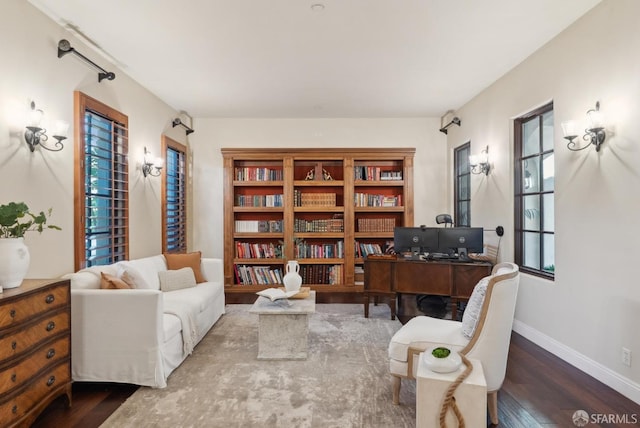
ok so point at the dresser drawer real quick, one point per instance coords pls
(48, 355)
(18, 406)
(14, 312)
(21, 341)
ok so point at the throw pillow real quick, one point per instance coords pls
(111, 282)
(134, 278)
(177, 279)
(474, 307)
(192, 260)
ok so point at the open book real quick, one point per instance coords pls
(276, 293)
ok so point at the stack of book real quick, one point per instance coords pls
(301, 199)
(257, 275)
(376, 224)
(375, 173)
(246, 250)
(259, 200)
(319, 225)
(331, 250)
(258, 174)
(259, 226)
(371, 200)
(321, 274)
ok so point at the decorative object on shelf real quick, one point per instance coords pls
(36, 135)
(594, 133)
(15, 220)
(178, 122)
(480, 163)
(64, 47)
(454, 121)
(292, 279)
(441, 359)
(318, 173)
(149, 166)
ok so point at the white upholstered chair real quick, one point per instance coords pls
(486, 338)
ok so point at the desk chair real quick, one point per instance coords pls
(484, 334)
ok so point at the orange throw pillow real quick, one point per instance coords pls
(112, 282)
(192, 260)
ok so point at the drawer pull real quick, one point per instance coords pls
(12, 313)
(51, 353)
(49, 299)
(51, 380)
(14, 345)
(51, 325)
(14, 377)
(14, 409)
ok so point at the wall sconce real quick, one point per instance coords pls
(454, 121)
(594, 134)
(150, 166)
(35, 135)
(480, 163)
(178, 122)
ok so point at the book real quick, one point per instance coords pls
(274, 294)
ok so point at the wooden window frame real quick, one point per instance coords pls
(82, 103)
(519, 193)
(168, 143)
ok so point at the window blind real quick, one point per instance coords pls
(175, 201)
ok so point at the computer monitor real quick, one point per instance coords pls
(461, 240)
(415, 240)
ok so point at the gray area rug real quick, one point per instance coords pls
(345, 382)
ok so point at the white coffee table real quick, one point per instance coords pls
(283, 327)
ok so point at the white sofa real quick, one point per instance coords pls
(139, 336)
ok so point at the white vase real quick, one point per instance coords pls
(448, 364)
(14, 262)
(292, 279)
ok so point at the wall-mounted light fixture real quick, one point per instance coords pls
(151, 166)
(480, 163)
(64, 47)
(594, 133)
(36, 135)
(454, 121)
(178, 122)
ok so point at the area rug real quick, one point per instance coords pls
(345, 382)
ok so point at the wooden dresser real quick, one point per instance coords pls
(35, 349)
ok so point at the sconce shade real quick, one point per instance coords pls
(35, 116)
(60, 129)
(480, 163)
(570, 128)
(35, 135)
(594, 134)
(150, 165)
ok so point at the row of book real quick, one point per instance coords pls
(258, 174)
(363, 249)
(254, 226)
(319, 225)
(247, 250)
(257, 275)
(301, 199)
(259, 200)
(371, 200)
(376, 224)
(375, 173)
(321, 274)
(332, 250)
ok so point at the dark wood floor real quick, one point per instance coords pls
(540, 390)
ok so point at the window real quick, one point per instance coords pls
(101, 216)
(462, 194)
(534, 192)
(174, 197)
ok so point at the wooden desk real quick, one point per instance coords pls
(388, 277)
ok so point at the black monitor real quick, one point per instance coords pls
(461, 240)
(415, 240)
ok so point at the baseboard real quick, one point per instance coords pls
(623, 385)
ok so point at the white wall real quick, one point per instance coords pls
(213, 134)
(592, 309)
(31, 70)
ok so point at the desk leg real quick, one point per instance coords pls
(392, 306)
(366, 305)
(454, 309)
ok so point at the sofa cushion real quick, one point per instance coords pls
(89, 278)
(147, 268)
(134, 278)
(177, 279)
(112, 282)
(474, 307)
(200, 296)
(192, 260)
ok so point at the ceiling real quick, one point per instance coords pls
(282, 58)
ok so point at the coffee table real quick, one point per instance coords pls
(283, 327)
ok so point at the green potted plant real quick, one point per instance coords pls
(441, 359)
(15, 221)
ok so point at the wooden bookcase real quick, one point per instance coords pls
(325, 208)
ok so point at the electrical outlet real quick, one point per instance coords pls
(626, 357)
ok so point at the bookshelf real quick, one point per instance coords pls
(325, 208)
